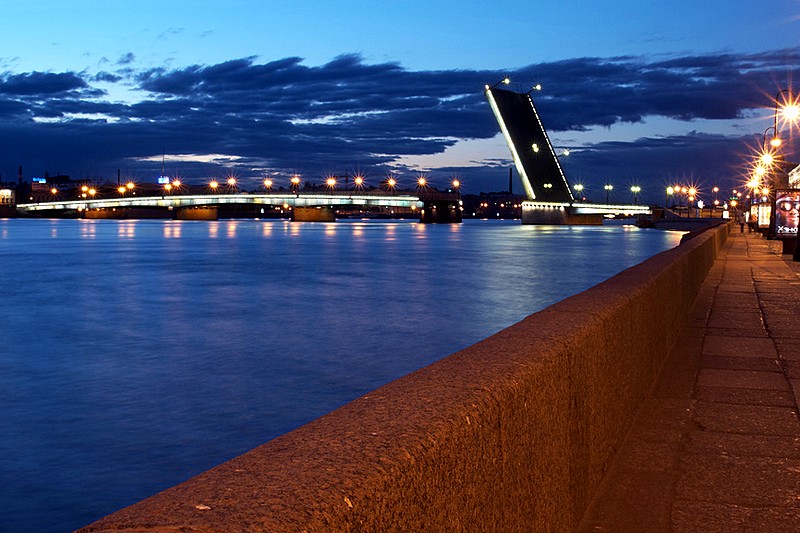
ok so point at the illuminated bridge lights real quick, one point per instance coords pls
(289, 200)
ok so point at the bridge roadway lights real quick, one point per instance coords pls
(440, 212)
(558, 216)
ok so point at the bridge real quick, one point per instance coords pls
(550, 199)
(433, 206)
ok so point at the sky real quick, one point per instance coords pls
(644, 93)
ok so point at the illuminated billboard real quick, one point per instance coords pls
(787, 212)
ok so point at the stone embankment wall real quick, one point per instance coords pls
(512, 433)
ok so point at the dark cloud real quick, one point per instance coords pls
(126, 59)
(41, 83)
(284, 116)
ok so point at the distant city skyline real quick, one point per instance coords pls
(639, 94)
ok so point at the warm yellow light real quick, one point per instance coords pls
(456, 184)
(734, 202)
(267, 183)
(130, 185)
(330, 182)
(54, 191)
(791, 112)
(176, 183)
(231, 181)
(692, 191)
(535, 148)
(421, 181)
(767, 159)
(92, 192)
(121, 189)
(168, 186)
(391, 182)
(670, 190)
(295, 180)
(213, 184)
(715, 189)
(759, 171)
(775, 142)
(84, 188)
(765, 191)
(636, 189)
(358, 181)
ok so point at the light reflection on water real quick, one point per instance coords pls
(136, 354)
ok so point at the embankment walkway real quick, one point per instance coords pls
(716, 446)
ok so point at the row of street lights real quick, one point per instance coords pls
(635, 190)
(231, 185)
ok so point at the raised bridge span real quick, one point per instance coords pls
(550, 198)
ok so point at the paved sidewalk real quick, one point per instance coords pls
(716, 447)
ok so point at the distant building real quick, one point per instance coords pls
(794, 177)
(7, 197)
(492, 205)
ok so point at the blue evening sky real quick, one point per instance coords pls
(125, 59)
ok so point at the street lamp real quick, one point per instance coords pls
(670, 192)
(608, 187)
(537, 87)
(504, 81)
(636, 190)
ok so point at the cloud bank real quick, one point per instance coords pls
(281, 116)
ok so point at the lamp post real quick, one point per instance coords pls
(670, 192)
(504, 81)
(636, 190)
(608, 187)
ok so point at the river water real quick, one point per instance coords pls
(136, 354)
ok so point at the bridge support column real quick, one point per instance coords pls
(313, 214)
(440, 212)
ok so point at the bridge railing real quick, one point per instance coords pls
(299, 199)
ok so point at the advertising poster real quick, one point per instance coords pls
(787, 213)
(764, 214)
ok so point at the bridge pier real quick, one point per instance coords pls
(440, 212)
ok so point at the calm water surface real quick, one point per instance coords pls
(136, 354)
